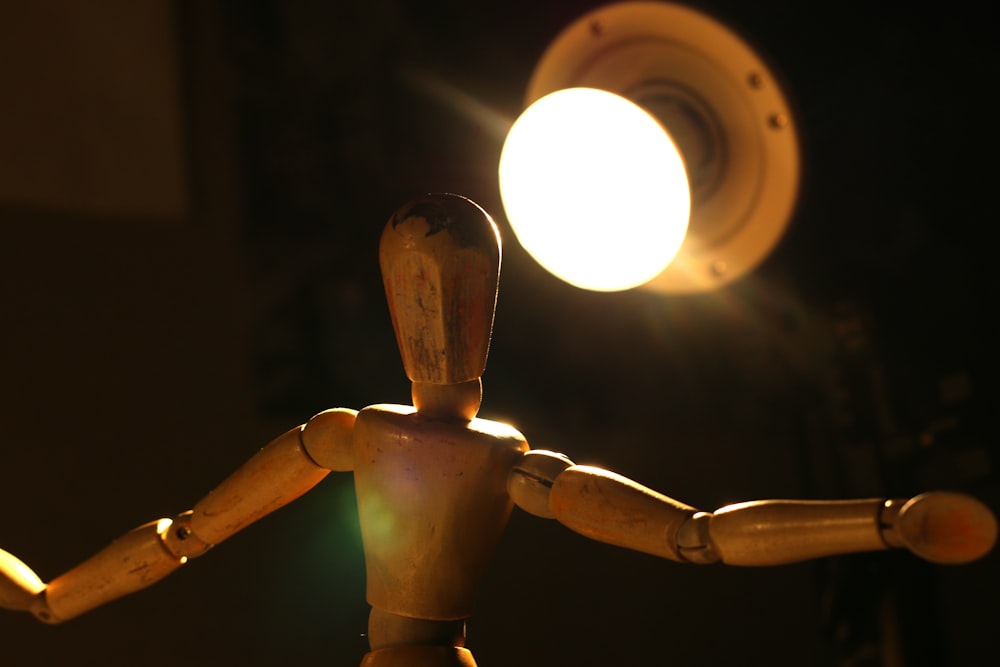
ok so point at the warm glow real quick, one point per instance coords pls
(594, 189)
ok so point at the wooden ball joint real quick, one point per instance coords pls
(436, 485)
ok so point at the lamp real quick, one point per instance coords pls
(717, 105)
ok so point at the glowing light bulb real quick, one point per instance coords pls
(594, 189)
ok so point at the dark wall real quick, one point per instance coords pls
(147, 353)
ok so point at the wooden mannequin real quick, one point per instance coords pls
(435, 485)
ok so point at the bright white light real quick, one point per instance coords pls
(594, 189)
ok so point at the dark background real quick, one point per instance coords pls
(152, 342)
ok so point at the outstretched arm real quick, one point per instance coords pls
(941, 527)
(279, 473)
